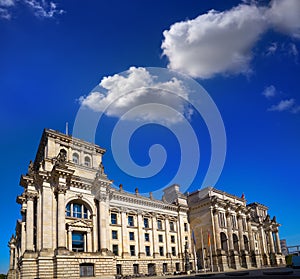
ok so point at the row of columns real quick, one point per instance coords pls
(249, 235)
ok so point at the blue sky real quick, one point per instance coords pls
(244, 53)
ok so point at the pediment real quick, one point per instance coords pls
(80, 224)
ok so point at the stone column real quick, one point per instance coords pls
(229, 231)
(23, 233)
(47, 225)
(29, 222)
(61, 227)
(140, 236)
(167, 238)
(125, 241)
(262, 239)
(103, 227)
(155, 237)
(12, 252)
(217, 229)
(271, 241)
(250, 235)
(278, 247)
(95, 233)
(89, 241)
(70, 239)
(241, 238)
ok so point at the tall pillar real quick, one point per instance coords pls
(240, 231)
(250, 235)
(278, 246)
(167, 238)
(140, 235)
(70, 239)
(217, 230)
(229, 230)
(89, 240)
(262, 239)
(125, 241)
(61, 227)
(29, 222)
(271, 241)
(155, 237)
(103, 218)
(47, 225)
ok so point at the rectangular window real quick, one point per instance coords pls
(113, 218)
(86, 270)
(172, 238)
(159, 224)
(77, 210)
(146, 223)
(177, 266)
(173, 251)
(147, 250)
(77, 242)
(185, 227)
(161, 250)
(147, 238)
(115, 249)
(131, 235)
(135, 269)
(160, 238)
(132, 250)
(165, 267)
(222, 222)
(114, 234)
(119, 269)
(130, 221)
(68, 210)
(172, 226)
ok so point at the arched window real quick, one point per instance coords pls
(246, 243)
(235, 242)
(223, 238)
(75, 158)
(87, 161)
(77, 210)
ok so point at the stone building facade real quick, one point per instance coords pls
(75, 224)
(228, 234)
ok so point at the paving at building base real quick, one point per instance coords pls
(278, 273)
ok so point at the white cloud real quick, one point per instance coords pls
(283, 105)
(4, 13)
(7, 3)
(284, 16)
(4, 8)
(122, 93)
(272, 48)
(40, 8)
(293, 50)
(222, 42)
(269, 91)
(43, 9)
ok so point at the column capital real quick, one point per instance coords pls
(61, 189)
(30, 196)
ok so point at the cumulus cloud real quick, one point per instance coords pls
(118, 94)
(283, 105)
(222, 42)
(269, 91)
(284, 16)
